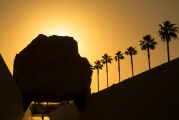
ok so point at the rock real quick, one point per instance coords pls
(50, 69)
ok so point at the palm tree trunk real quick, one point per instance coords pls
(132, 66)
(98, 78)
(168, 50)
(148, 51)
(119, 69)
(107, 72)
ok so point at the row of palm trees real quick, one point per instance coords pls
(166, 32)
(107, 59)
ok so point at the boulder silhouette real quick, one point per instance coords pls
(50, 69)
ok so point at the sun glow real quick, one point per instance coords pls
(59, 32)
(70, 31)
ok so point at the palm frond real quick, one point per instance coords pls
(173, 35)
(168, 31)
(116, 58)
(131, 51)
(147, 42)
(106, 59)
(98, 64)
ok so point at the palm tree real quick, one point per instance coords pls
(146, 44)
(91, 67)
(119, 56)
(98, 65)
(166, 32)
(106, 59)
(131, 51)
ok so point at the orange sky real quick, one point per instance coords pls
(99, 26)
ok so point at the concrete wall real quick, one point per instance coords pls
(27, 115)
(11, 103)
(151, 95)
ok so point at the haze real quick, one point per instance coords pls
(99, 26)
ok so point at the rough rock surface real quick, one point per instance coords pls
(50, 69)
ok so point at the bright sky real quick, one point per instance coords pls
(99, 26)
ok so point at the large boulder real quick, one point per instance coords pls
(51, 69)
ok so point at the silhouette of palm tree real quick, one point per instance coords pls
(105, 60)
(119, 56)
(166, 32)
(146, 44)
(91, 67)
(131, 51)
(98, 65)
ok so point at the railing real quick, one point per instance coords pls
(46, 107)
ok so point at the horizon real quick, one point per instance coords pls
(99, 27)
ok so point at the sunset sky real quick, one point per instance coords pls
(99, 27)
